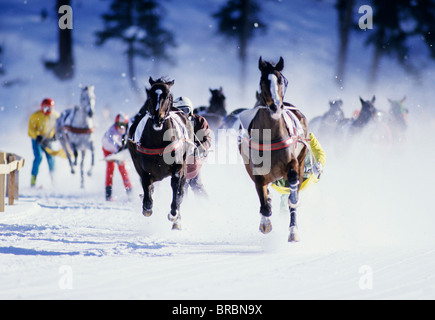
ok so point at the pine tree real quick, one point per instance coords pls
(395, 23)
(138, 24)
(238, 19)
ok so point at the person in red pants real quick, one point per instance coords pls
(114, 140)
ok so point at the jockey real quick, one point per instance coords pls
(114, 140)
(202, 139)
(315, 160)
(41, 131)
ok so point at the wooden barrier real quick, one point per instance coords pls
(10, 164)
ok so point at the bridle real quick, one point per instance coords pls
(280, 144)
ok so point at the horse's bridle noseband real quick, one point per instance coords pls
(285, 84)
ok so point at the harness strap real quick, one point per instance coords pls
(173, 146)
(79, 130)
(282, 144)
(160, 151)
(294, 129)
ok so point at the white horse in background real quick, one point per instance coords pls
(75, 128)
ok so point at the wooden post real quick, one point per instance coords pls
(11, 182)
(2, 183)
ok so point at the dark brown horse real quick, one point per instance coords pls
(159, 143)
(216, 111)
(270, 149)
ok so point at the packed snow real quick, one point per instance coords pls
(366, 228)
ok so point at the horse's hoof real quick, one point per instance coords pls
(176, 225)
(89, 174)
(265, 225)
(294, 235)
(147, 212)
(173, 218)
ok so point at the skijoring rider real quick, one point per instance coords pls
(114, 141)
(41, 131)
(202, 143)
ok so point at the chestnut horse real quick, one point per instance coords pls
(159, 142)
(272, 150)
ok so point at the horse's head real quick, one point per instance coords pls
(159, 101)
(335, 104)
(217, 100)
(272, 84)
(335, 112)
(87, 100)
(368, 110)
(398, 108)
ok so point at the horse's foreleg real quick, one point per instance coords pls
(265, 207)
(294, 234)
(91, 147)
(147, 201)
(82, 167)
(294, 180)
(76, 154)
(177, 184)
(63, 142)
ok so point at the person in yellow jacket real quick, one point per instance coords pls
(315, 160)
(41, 131)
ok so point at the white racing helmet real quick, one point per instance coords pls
(184, 104)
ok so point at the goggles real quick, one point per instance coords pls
(47, 109)
(121, 124)
(186, 110)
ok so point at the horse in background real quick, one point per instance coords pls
(364, 116)
(160, 140)
(325, 126)
(398, 119)
(398, 113)
(273, 144)
(216, 111)
(369, 123)
(75, 131)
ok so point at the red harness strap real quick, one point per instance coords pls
(79, 130)
(279, 145)
(160, 151)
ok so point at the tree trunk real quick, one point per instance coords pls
(64, 67)
(345, 10)
(2, 70)
(373, 77)
(130, 64)
(243, 42)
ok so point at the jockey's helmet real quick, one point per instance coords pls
(184, 104)
(121, 122)
(47, 106)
